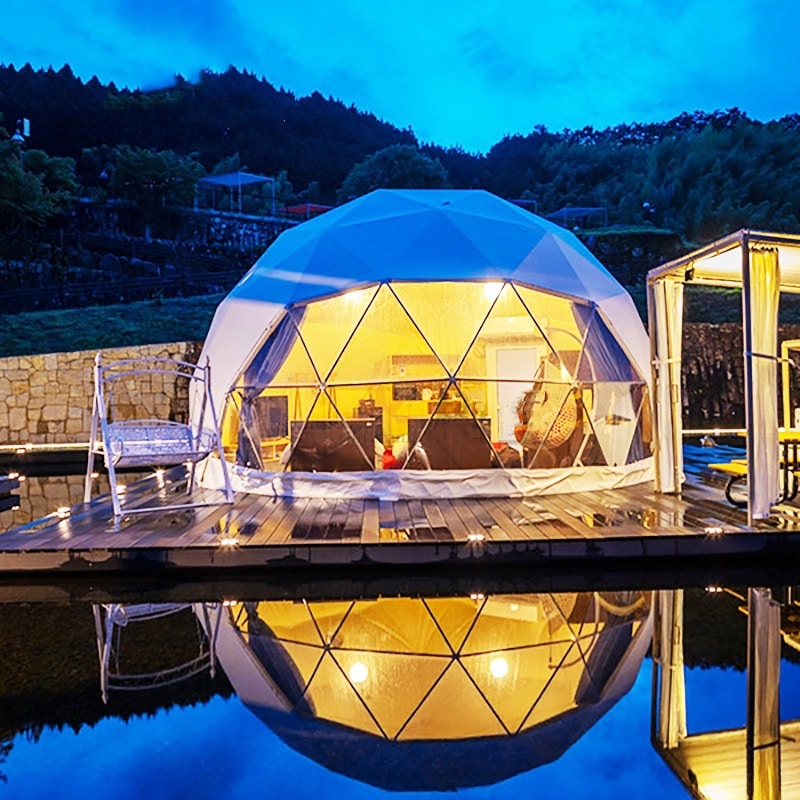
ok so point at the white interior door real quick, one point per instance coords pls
(517, 365)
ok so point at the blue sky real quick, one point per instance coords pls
(456, 72)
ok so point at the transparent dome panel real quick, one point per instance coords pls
(448, 314)
(385, 344)
(328, 325)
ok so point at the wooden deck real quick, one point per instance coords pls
(633, 525)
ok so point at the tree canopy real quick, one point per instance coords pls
(399, 166)
(701, 174)
(33, 185)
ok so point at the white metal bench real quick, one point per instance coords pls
(149, 441)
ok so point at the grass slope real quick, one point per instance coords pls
(98, 327)
(188, 319)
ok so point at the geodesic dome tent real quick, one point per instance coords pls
(430, 342)
(436, 693)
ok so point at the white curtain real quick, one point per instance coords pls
(665, 313)
(760, 297)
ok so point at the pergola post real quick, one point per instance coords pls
(668, 653)
(665, 314)
(760, 297)
(763, 708)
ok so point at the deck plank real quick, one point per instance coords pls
(452, 520)
(544, 525)
(352, 523)
(476, 520)
(506, 524)
(561, 509)
(370, 524)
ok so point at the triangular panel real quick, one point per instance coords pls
(454, 616)
(566, 666)
(303, 658)
(641, 444)
(328, 617)
(391, 685)
(448, 313)
(455, 709)
(507, 327)
(511, 680)
(335, 699)
(293, 368)
(393, 624)
(386, 345)
(614, 419)
(291, 621)
(504, 624)
(562, 325)
(603, 358)
(328, 324)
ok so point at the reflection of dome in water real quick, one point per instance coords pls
(435, 693)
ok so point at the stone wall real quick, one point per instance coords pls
(47, 399)
(713, 375)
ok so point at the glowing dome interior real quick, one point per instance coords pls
(444, 375)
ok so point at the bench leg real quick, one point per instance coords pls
(731, 481)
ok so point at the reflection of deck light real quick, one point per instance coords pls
(229, 603)
(475, 537)
(20, 451)
(358, 672)
(714, 530)
(514, 606)
(229, 541)
(476, 596)
(62, 512)
(498, 667)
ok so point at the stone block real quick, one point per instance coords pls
(17, 419)
(54, 412)
(73, 426)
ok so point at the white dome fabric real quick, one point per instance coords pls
(377, 249)
(424, 235)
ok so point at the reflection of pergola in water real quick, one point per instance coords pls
(440, 693)
(761, 760)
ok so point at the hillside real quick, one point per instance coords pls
(701, 175)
